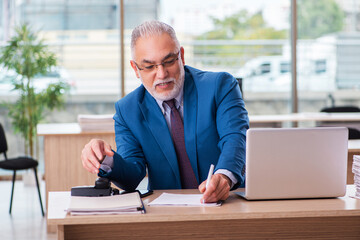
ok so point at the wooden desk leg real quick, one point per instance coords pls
(60, 232)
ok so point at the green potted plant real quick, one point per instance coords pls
(28, 57)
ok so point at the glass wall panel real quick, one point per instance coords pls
(328, 54)
(85, 37)
(247, 39)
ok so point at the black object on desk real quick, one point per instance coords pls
(102, 188)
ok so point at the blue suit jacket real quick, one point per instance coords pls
(215, 124)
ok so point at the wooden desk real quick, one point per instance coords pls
(337, 218)
(63, 144)
(62, 149)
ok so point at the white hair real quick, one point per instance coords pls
(151, 28)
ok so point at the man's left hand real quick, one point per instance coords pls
(218, 189)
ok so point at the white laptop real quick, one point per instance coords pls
(291, 163)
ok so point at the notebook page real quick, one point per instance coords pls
(170, 199)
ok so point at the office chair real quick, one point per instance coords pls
(14, 164)
(340, 109)
(353, 132)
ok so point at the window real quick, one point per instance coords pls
(250, 40)
(320, 66)
(328, 50)
(285, 67)
(264, 68)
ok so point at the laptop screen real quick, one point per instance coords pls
(283, 163)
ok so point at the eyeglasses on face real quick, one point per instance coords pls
(166, 64)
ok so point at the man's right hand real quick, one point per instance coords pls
(93, 154)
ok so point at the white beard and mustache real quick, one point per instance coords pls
(178, 85)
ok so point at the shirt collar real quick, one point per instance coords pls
(178, 102)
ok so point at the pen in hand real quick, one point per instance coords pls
(211, 170)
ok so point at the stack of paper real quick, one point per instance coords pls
(191, 200)
(356, 171)
(96, 122)
(116, 204)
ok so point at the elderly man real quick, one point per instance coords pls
(175, 125)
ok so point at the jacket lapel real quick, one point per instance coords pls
(159, 129)
(190, 120)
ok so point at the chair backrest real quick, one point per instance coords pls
(240, 81)
(340, 109)
(354, 133)
(3, 143)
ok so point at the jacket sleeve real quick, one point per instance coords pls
(129, 164)
(232, 123)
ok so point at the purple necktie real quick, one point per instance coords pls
(187, 176)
